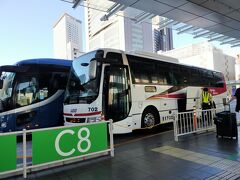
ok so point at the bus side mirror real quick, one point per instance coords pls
(93, 69)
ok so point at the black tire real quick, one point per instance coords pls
(150, 118)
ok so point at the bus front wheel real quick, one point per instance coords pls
(150, 118)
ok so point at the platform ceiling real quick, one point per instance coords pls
(219, 16)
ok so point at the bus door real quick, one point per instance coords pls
(193, 94)
(116, 92)
(26, 98)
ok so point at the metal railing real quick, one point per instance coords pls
(194, 121)
(26, 167)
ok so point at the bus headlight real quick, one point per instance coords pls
(93, 119)
(3, 125)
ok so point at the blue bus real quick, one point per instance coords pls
(31, 94)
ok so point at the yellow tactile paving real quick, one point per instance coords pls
(231, 169)
(187, 155)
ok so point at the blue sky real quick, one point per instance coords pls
(26, 29)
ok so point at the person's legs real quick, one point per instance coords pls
(237, 117)
(209, 115)
(204, 114)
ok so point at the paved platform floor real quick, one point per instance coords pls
(201, 156)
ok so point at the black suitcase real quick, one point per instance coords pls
(226, 124)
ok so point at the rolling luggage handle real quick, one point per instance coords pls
(225, 103)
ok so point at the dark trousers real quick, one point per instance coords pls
(206, 106)
(207, 116)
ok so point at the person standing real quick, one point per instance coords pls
(237, 96)
(237, 107)
(206, 103)
(206, 99)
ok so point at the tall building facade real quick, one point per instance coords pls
(67, 37)
(119, 32)
(162, 38)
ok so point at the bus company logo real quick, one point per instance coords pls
(73, 111)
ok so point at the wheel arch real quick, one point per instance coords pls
(151, 108)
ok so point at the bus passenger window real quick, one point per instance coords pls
(43, 93)
(27, 91)
(48, 85)
(115, 57)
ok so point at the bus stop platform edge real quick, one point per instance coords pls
(201, 156)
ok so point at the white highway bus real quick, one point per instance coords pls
(135, 90)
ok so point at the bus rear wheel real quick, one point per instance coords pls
(150, 118)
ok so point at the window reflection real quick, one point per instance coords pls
(6, 90)
(27, 91)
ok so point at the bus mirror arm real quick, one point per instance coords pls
(81, 87)
(1, 83)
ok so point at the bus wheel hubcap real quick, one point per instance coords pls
(149, 120)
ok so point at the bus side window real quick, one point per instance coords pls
(27, 91)
(219, 82)
(116, 57)
(53, 86)
(50, 83)
(57, 82)
(44, 86)
(163, 73)
(172, 78)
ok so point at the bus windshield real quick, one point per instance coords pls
(6, 91)
(82, 86)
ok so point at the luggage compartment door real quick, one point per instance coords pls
(193, 95)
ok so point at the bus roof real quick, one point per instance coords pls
(154, 56)
(46, 61)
